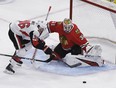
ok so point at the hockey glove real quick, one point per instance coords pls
(36, 42)
(52, 57)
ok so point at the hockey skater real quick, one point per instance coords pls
(73, 41)
(24, 35)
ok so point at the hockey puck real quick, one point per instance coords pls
(84, 81)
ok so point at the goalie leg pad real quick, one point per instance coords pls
(70, 59)
(92, 60)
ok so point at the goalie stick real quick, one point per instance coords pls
(71, 66)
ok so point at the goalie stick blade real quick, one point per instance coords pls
(71, 66)
(76, 65)
(91, 63)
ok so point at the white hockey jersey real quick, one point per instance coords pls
(23, 28)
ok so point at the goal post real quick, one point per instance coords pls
(110, 6)
(95, 19)
(71, 9)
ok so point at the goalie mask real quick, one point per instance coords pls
(67, 24)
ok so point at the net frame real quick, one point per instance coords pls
(113, 10)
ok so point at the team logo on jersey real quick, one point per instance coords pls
(63, 40)
(77, 31)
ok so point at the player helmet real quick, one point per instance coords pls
(41, 24)
(42, 29)
(67, 24)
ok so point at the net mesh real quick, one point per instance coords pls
(94, 21)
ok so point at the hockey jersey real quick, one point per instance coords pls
(67, 39)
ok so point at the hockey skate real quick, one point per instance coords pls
(14, 63)
(9, 69)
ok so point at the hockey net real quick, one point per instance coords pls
(95, 18)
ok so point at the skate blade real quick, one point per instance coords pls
(8, 72)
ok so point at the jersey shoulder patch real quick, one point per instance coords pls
(59, 22)
(77, 31)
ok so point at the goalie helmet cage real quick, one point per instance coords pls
(99, 15)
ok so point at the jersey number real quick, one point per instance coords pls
(24, 24)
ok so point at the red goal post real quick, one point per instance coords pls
(106, 11)
(107, 5)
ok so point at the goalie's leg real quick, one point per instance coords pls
(91, 60)
(94, 55)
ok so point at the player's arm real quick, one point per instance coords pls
(52, 26)
(39, 44)
(79, 38)
(90, 50)
(43, 30)
(36, 42)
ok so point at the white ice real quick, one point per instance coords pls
(29, 76)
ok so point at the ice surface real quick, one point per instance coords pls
(29, 75)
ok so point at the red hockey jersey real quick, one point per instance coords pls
(67, 39)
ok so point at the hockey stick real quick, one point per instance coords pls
(34, 54)
(33, 57)
(46, 61)
(25, 58)
(48, 13)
